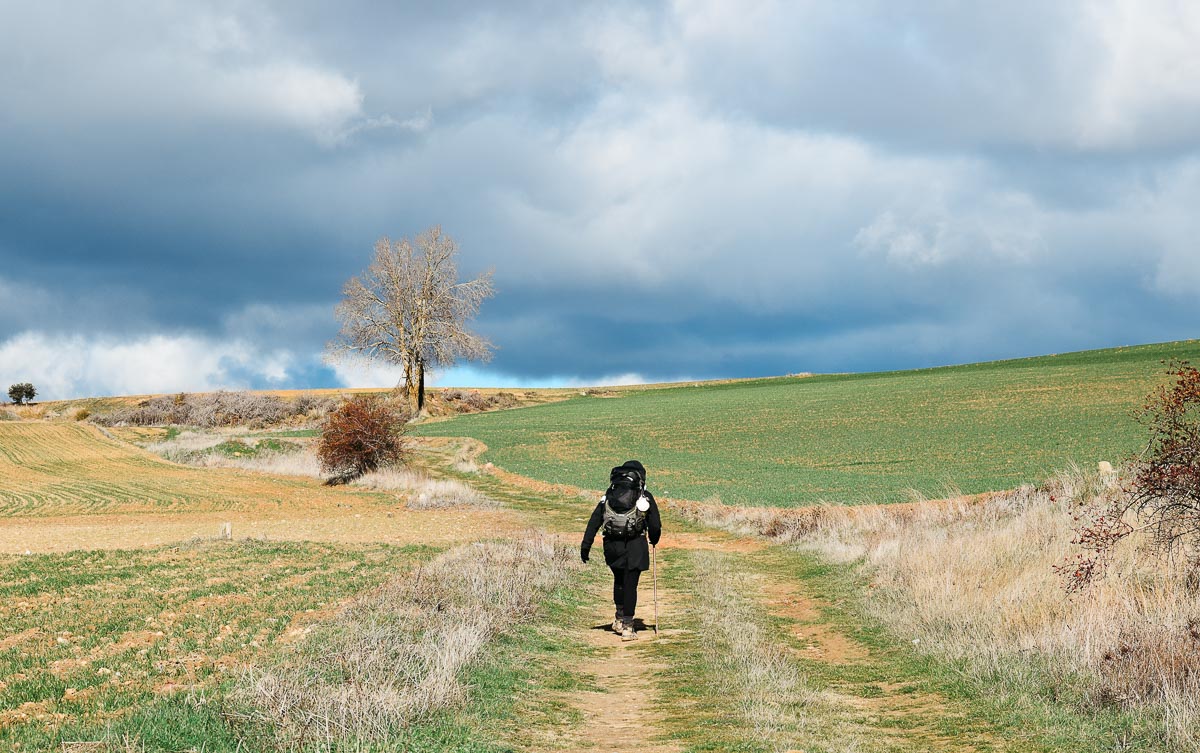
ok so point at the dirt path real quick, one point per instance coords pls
(620, 710)
(622, 713)
(863, 702)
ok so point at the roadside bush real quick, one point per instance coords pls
(361, 435)
(1162, 497)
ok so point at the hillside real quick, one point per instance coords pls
(841, 438)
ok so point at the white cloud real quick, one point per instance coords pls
(317, 101)
(359, 373)
(1172, 220)
(158, 66)
(66, 366)
(1143, 89)
(921, 229)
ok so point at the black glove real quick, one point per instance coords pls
(583, 552)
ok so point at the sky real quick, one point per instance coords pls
(680, 190)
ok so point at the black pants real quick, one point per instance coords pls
(625, 584)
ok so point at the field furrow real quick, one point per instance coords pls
(59, 469)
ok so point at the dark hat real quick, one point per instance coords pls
(637, 467)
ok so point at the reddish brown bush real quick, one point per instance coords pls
(361, 435)
(1163, 493)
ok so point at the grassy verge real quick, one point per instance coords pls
(1024, 704)
(395, 656)
(960, 603)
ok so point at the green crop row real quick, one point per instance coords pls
(842, 439)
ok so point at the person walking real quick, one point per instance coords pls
(628, 516)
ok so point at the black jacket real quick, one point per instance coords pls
(621, 553)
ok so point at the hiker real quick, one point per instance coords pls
(628, 515)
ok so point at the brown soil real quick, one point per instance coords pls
(711, 541)
(818, 639)
(38, 535)
(621, 712)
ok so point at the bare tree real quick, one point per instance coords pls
(408, 308)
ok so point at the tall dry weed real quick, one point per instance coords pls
(765, 685)
(975, 580)
(425, 493)
(398, 654)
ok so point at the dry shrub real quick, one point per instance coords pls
(216, 409)
(199, 449)
(397, 654)
(777, 523)
(30, 412)
(465, 454)
(185, 446)
(361, 435)
(1162, 496)
(425, 493)
(473, 401)
(1157, 662)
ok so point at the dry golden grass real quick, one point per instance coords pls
(974, 580)
(57, 469)
(397, 653)
(66, 487)
(765, 685)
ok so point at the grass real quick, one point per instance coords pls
(323, 629)
(97, 645)
(840, 438)
(972, 587)
(737, 674)
(395, 656)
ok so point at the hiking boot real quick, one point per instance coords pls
(627, 632)
(618, 623)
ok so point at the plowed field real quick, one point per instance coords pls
(68, 469)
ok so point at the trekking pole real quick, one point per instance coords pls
(654, 568)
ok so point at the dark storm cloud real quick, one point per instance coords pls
(694, 189)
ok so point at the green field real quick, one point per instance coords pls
(841, 438)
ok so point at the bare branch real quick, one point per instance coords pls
(409, 309)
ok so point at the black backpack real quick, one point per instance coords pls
(621, 514)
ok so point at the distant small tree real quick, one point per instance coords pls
(409, 308)
(359, 436)
(1162, 497)
(22, 392)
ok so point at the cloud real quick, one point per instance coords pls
(189, 65)
(1067, 75)
(691, 188)
(75, 366)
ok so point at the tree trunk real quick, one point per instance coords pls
(415, 386)
(420, 387)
